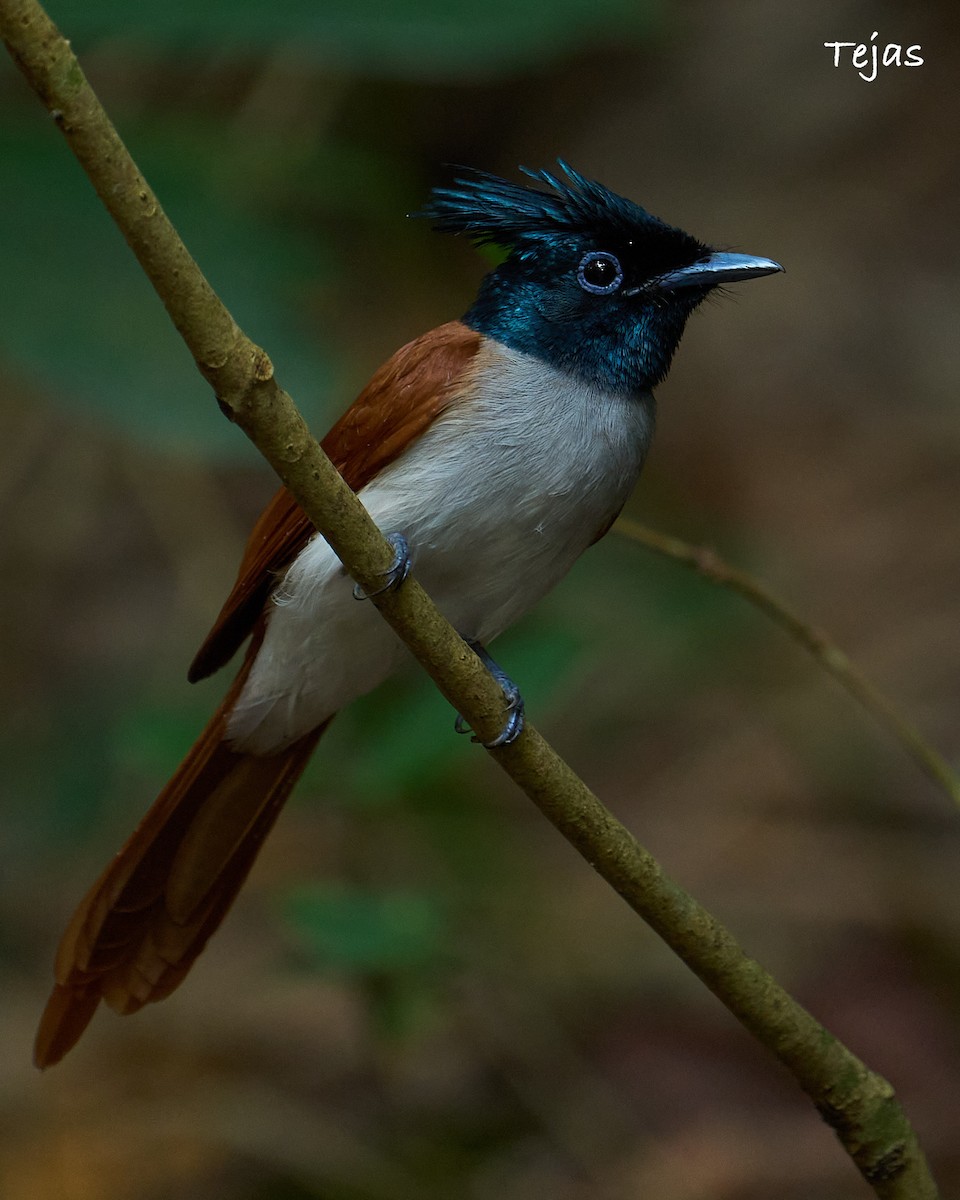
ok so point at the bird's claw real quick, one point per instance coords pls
(513, 725)
(395, 574)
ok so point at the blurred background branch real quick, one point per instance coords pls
(833, 660)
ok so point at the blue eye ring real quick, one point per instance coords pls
(598, 264)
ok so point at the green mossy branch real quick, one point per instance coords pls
(858, 1104)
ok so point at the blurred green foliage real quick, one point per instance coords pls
(88, 327)
(361, 931)
(431, 39)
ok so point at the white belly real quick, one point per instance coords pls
(497, 500)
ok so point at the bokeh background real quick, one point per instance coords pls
(423, 993)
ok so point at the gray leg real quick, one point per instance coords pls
(514, 722)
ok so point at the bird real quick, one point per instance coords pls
(494, 450)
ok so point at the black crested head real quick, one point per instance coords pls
(593, 284)
(493, 210)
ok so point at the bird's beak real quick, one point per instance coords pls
(719, 267)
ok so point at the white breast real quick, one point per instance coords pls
(497, 500)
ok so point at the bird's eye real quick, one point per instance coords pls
(599, 273)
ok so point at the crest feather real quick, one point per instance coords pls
(490, 209)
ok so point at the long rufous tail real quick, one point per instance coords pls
(137, 932)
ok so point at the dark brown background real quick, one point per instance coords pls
(423, 992)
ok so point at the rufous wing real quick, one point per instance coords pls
(403, 398)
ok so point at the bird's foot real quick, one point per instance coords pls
(511, 693)
(395, 574)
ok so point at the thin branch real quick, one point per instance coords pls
(711, 566)
(858, 1104)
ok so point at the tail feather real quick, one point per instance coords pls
(139, 929)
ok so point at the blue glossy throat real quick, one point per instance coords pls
(616, 343)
